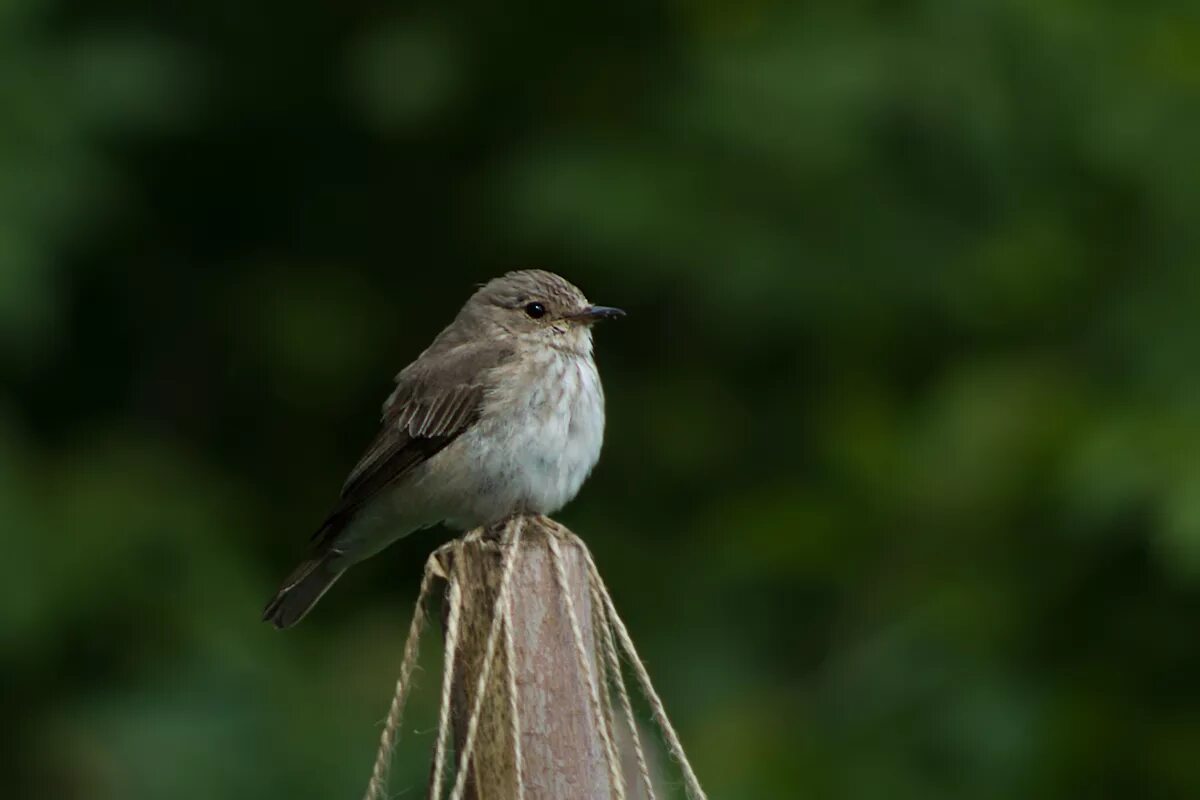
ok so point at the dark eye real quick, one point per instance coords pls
(535, 310)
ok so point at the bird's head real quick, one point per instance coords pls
(536, 306)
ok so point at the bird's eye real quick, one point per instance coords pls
(535, 310)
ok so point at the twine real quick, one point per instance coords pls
(377, 786)
(598, 622)
(613, 638)
(614, 772)
(454, 594)
(464, 761)
(691, 782)
(614, 664)
(510, 657)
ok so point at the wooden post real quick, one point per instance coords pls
(562, 751)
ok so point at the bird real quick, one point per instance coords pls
(502, 414)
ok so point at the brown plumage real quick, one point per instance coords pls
(437, 398)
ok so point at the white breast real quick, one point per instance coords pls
(537, 440)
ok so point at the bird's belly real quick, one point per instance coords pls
(535, 451)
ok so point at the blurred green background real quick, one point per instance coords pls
(901, 492)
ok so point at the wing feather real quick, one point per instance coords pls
(437, 397)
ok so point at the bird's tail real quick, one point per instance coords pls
(301, 591)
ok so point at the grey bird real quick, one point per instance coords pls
(502, 414)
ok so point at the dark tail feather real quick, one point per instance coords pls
(301, 591)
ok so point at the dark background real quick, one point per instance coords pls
(901, 491)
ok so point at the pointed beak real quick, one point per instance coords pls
(595, 313)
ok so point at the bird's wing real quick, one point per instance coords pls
(437, 397)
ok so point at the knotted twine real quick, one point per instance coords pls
(612, 637)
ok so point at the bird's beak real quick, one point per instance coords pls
(595, 313)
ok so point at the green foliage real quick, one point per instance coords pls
(900, 495)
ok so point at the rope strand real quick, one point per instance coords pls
(618, 784)
(454, 592)
(460, 779)
(614, 664)
(377, 786)
(605, 685)
(691, 782)
(510, 657)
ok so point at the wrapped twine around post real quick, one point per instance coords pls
(533, 657)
